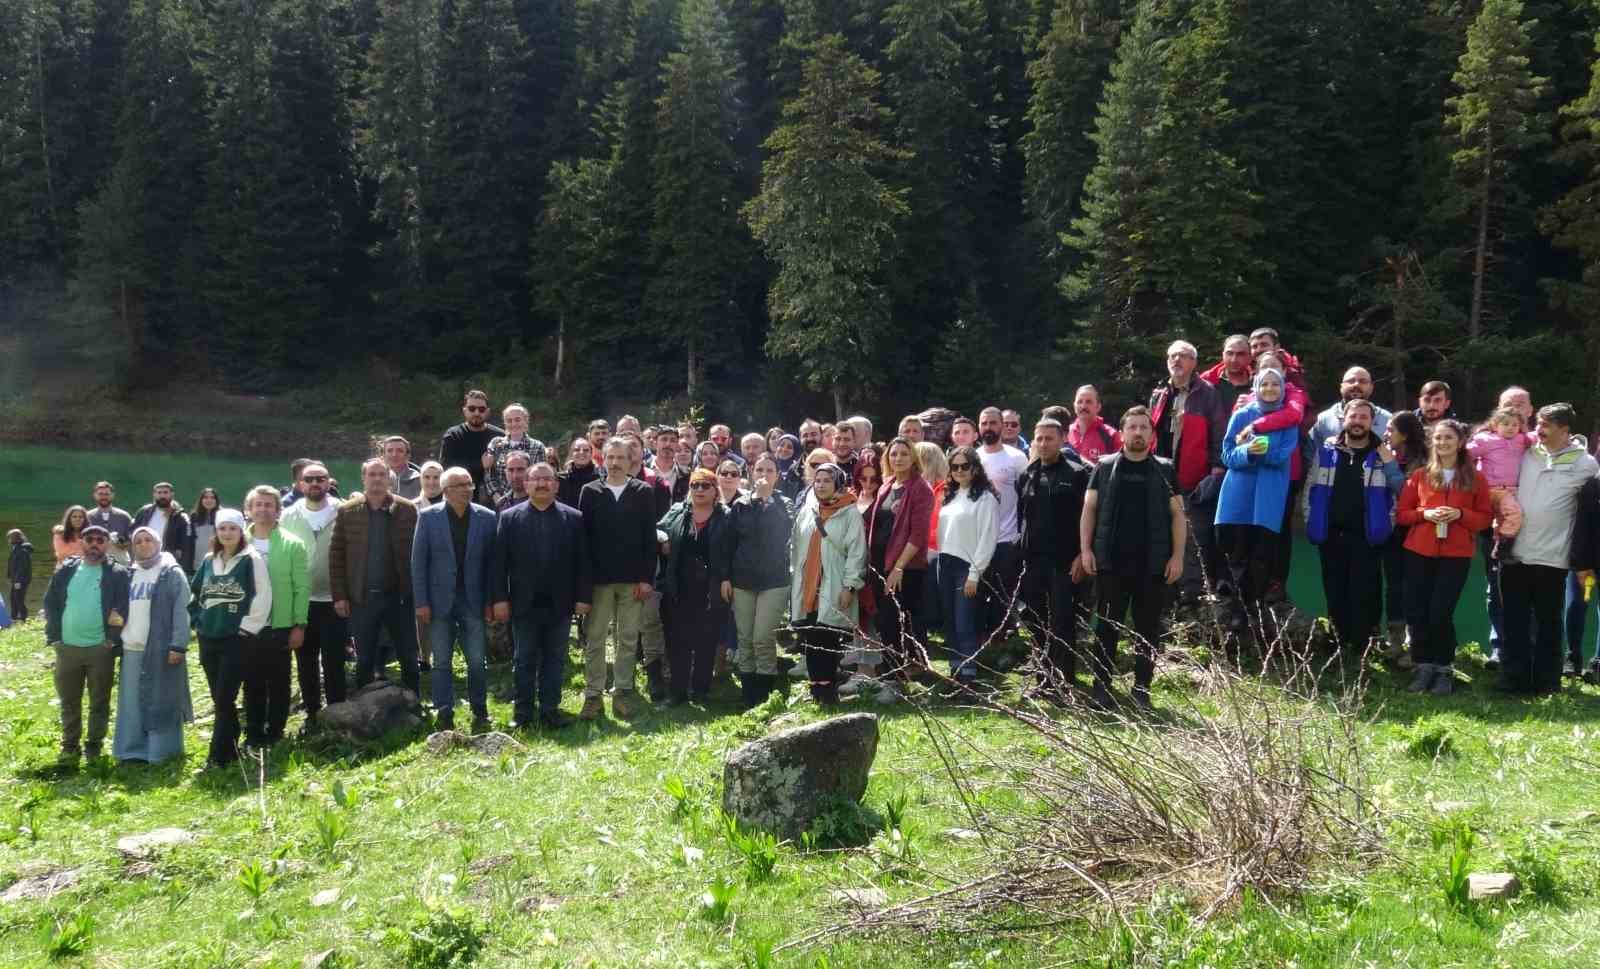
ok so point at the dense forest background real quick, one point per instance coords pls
(763, 205)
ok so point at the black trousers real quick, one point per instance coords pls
(693, 627)
(17, 600)
(392, 612)
(823, 646)
(1145, 596)
(1284, 553)
(1000, 592)
(1249, 550)
(1531, 601)
(1352, 582)
(899, 621)
(266, 686)
(223, 662)
(1051, 612)
(320, 659)
(1433, 587)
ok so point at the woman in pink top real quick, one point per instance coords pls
(1496, 450)
(67, 537)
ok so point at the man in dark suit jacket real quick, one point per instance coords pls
(540, 577)
(450, 563)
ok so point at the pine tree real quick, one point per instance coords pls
(574, 259)
(1495, 119)
(826, 220)
(700, 245)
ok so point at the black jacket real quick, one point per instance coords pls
(517, 566)
(760, 536)
(19, 567)
(571, 482)
(178, 537)
(677, 524)
(1585, 554)
(621, 531)
(462, 447)
(1050, 532)
(114, 581)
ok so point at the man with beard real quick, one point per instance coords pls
(844, 448)
(1232, 376)
(1356, 384)
(1433, 404)
(517, 464)
(810, 436)
(171, 522)
(320, 659)
(1189, 423)
(462, 446)
(619, 521)
(84, 612)
(1265, 338)
(1131, 535)
(539, 578)
(1004, 466)
(1089, 435)
(1049, 504)
(1353, 490)
(665, 463)
(117, 523)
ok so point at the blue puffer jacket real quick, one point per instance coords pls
(1256, 487)
(1381, 481)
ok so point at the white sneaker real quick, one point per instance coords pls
(858, 683)
(889, 693)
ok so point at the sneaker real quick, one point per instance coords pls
(593, 708)
(799, 672)
(1493, 662)
(858, 683)
(622, 707)
(1423, 679)
(889, 693)
(1444, 681)
(554, 719)
(1570, 669)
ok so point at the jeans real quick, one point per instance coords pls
(223, 662)
(757, 614)
(1433, 587)
(320, 659)
(77, 667)
(466, 624)
(266, 687)
(1351, 581)
(1530, 602)
(612, 601)
(1115, 596)
(899, 621)
(1577, 613)
(1051, 612)
(958, 613)
(999, 591)
(389, 611)
(538, 660)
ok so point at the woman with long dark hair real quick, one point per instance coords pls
(1409, 442)
(203, 519)
(969, 524)
(897, 539)
(67, 538)
(580, 471)
(1444, 505)
(231, 604)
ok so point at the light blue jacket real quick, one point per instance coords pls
(433, 559)
(1256, 487)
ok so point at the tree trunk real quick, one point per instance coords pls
(692, 385)
(838, 402)
(44, 134)
(561, 348)
(1397, 366)
(1480, 262)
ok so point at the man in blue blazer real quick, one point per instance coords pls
(540, 578)
(450, 562)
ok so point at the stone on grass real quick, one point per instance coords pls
(1495, 885)
(317, 960)
(147, 844)
(862, 897)
(325, 898)
(493, 743)
(783, 782)
(371, 712)
(41, 884)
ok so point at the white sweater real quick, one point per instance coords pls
(968, 530)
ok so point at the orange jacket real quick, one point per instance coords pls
(1423, 539)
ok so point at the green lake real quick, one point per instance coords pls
(38, 483)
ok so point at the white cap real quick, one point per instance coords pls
(230, 516)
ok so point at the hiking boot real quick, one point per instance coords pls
(482, 724)
(858, 683)
(1101, 699)
(1444, 681)
(655, 682)
(554, 719)
(444, 720)
(593, 708)
(1396, 640)
(1493, 662)
(1423, 678)
(1141, 700)
(622, 705)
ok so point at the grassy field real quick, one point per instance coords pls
(582, 851)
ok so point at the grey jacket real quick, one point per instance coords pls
(844, 561)
(164, 700)
(1547, 489)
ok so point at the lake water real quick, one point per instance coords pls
(38, 483)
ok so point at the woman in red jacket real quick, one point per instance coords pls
(897, 556)
(1444, 504)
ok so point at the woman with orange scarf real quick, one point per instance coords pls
(829, 557)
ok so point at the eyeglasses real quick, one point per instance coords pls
(962, 466)
(701, 486)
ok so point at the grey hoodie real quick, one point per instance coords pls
(1547, 489)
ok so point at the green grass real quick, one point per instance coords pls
(602, 845)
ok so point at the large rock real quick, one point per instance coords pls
(371, 712)
(1485, 885)
(493, 743)
(782, 782)
(46, 882)
(147, 844)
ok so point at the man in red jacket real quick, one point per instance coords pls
(1189, 421)
(1232, 376)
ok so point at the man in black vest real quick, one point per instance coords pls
(1049, 503)
(1132, 534)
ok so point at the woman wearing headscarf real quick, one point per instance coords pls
(695, 587)
(791, 469)
(153, 694)
(231, 605)
(828, 559)
(1254, 489)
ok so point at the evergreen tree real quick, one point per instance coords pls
(1495, 119)
(574, 260)
(826, 221)
(701, 248)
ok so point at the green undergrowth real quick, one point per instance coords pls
(604, 845)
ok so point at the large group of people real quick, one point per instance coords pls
(673, 554)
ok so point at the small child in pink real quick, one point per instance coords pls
(1496, 450)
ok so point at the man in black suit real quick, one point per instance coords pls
(539, 577)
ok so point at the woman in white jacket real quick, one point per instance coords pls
(969, 523)
(829, 555)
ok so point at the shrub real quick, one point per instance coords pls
(441, 937)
